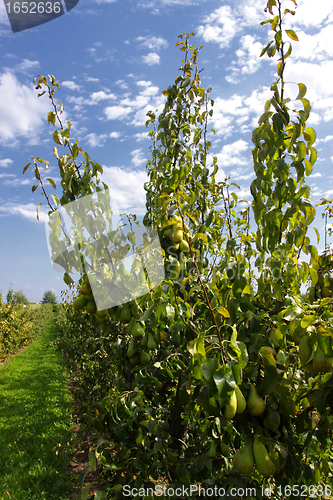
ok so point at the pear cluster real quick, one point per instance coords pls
(176, 245)
(320, 362)
(254, 454)
(237, 403)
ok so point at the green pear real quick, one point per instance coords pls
(85, 289)
(137, 331)
(174, 269)
(231, 407)
(167, 232)
(151, 344)
(144, 340)
(125, 315)
(130, 325)
(102, 313)
(91, 307)
(135, 310)
(184, 246)
(264, 464)
(321, 362)
(272, 421)
(134, 360)
(177, 236)
(255, 404)
(131, 348)
(80, 302)
(243, 460)
(144, 357)
(241, 401)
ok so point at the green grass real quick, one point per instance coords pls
(35, 418)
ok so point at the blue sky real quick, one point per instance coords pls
(112, 60)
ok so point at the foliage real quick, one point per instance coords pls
(49, 298)
(228, 325)
(19, 325)
(16, 297)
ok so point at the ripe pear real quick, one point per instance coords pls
(255, 404)
(80, 302)
(151, 344)
(85, 289)
(139, 437)
(125, 315)
(264, 464)
(177, 236)
(144, 357)
(91, 307)
(137, 331)
(184, 247)
(131, 348)
(241, 401)
(174, 270)
(243, 459)
(144, 340)
(167, 232)
(321, 362)
(231, 407)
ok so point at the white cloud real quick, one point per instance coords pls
(152, 42)
(95, 140)
(6, 162)
(26, 65)
(310, 13)
(327, 138)
(91, 79)
(141, 136)
(71, 85)
(126, 188)
(105, 1)
(230, 154)
(27, 211)
(22, 112)
(151, 58)
(318, 174)
(117, 112)
(138, 158)
(115, 135)
(101, 96)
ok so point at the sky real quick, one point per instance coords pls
(112, 60)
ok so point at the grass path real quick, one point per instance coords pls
(35, 418)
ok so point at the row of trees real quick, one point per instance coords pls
(19, 297)
(222, 374)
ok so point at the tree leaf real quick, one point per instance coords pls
(292, 35)
(223, 311)
(26, 168)
(34, 187)
(51, 181)
(302, 91)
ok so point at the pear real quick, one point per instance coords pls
(91, 307)
(184, 247)
(80, 302)
(144, 357)
(151, 344)
(144, 340)
(174, 270)
(131, 348)
(137, 331)
(102, 313)
(321, 362)
(135, 310)
(130, 325)
(139, 437)
(85, 289)
(272, 421)
(167, 232)
(231, 407)
(243, 460)
(256, 405)
(264, 464)
(177, 236)
(125, 314)
(241, 402)
(134, 360)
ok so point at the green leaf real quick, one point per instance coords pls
(201, 236)
(37, 210)
(224, 380)
(100, 495)
(34, 187)
(51, 117)
(292, 35)
(208, 368)
(317, 233)
(308, 320)
(51, 181)
(309, 135)
(57, 137)
(264, 117)
(223, 311)
(92, 459)
(302, 91)
(26, 168)
(55, 199)
(85, 491)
